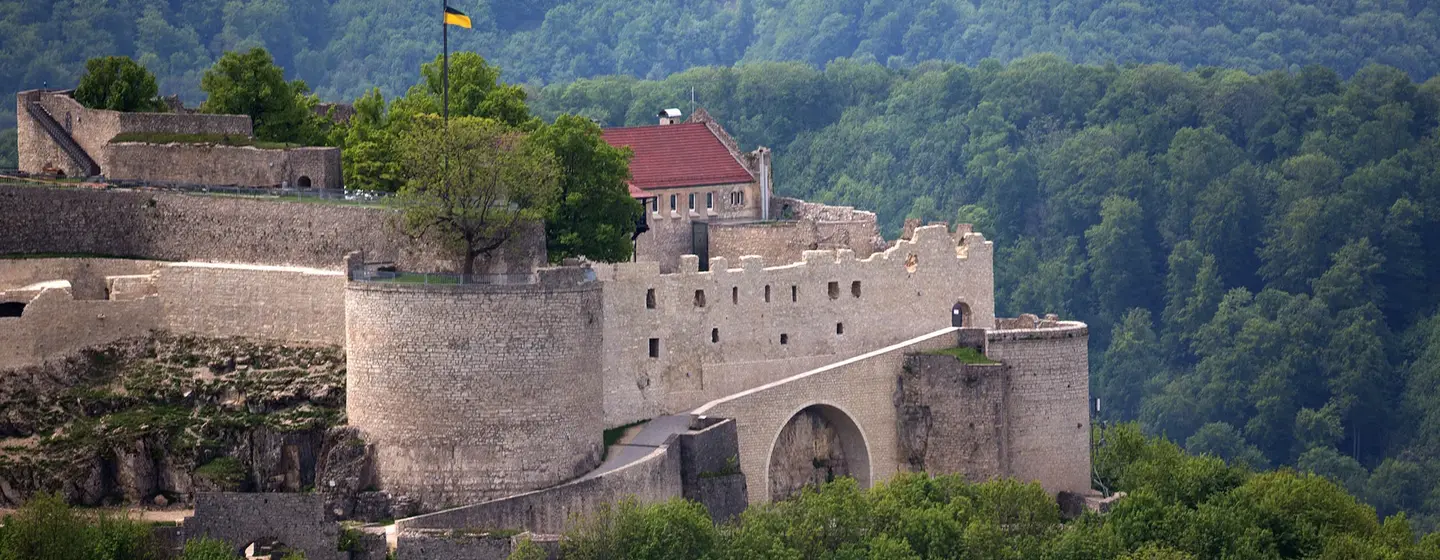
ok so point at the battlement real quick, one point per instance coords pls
(676, 340)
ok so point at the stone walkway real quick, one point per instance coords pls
(652, 435)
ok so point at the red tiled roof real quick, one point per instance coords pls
(677, 155)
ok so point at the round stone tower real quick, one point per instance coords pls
(476, 392)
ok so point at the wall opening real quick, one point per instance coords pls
(960, 315)
(303, 182)
(784, 338)
(834, 290)
(12, 309)
(650, 298)
(912, 263)
(699, 298)
(767, 293)
(654, 348)
(839, 328)
(817, 445)
(735, 295)
(855, 288)
(714, 335)
(794, 293)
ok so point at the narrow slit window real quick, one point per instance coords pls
(715, 335)
(735, 295)
(699, 298)
(709, 200)
(767, 294)
(839, 328)
(654, 348)
(650, 298)
(673, 199)
(784, 338)
(834, 290)
(692, 201)
(855, 288)
(794, 293)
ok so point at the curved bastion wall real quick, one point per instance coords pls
(476, 392)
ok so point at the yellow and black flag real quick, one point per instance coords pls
(455, 17)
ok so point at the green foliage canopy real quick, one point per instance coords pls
(118, 83)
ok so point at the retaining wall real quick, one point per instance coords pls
(655, 478)
(297, 520)
(213, 164)
(184, 227)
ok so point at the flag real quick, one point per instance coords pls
(455, 17)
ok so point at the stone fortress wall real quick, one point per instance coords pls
(1048, 401)
(179, 227)
(215, 300)
(729, 329)
(94, 129)
(476, 392)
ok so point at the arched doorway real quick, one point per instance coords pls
(816, 445)
(303, 182)
(12, 309)
(960, 315)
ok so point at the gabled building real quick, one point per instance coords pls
(690, 175)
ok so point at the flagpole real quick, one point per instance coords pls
(445, 70)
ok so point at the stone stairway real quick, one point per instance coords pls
(63, 139)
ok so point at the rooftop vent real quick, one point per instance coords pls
(669, 116)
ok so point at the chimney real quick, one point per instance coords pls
(669, 116)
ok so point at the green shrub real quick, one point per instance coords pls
(206, 548)
(46, 528)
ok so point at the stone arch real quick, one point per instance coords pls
(960, 315)
(12, 308)
(303, 182)
(817, 443)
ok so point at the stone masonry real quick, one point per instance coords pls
(480, 391)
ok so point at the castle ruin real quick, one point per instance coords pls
(483, 405)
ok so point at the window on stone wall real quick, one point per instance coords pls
(839, 328)
(709, 200)
(767, 293)
(699, 298)
(654, 348)
(834, 289)
(692, 201)
(735, 295)
(794, 293)
(784, 338)
(714, 335)
(740, 196)
(650, 298)
(655, 204)
(855, 288)
(673, 198)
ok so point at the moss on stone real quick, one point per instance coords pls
(965, 354)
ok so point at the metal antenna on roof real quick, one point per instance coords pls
(692, 100)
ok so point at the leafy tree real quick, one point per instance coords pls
(472, 185)
(46, 527)
(594, 215)
(117, 83)
(251, 84)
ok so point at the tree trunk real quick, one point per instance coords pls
(467, 266)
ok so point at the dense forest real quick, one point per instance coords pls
(342, 48)
(1251, 237)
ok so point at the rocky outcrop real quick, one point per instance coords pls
(155, 420)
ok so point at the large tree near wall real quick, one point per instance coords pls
(594, 215)
(251, 84)
(474, 186)
(118, 84)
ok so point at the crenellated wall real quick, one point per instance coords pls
(476, 392)
(734, 341)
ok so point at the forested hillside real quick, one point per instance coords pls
(1255, 253)
(342, 48)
